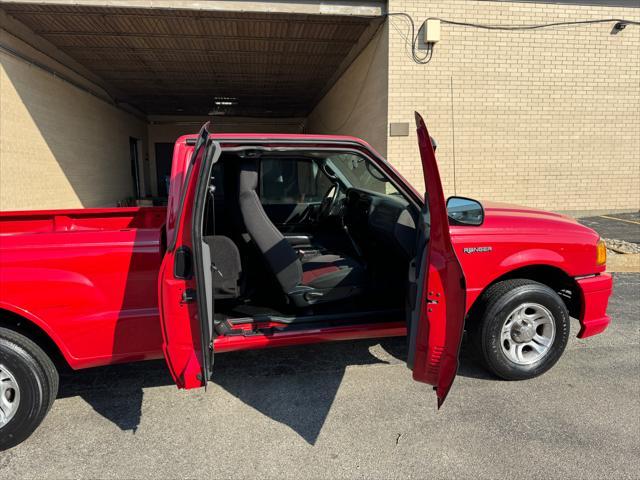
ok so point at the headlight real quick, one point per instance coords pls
(601, 253)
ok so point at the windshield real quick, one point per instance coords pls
(360, 173)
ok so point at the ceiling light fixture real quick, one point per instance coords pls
(225, 101)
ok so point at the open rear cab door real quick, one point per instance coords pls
(186, 310)
(437, 320)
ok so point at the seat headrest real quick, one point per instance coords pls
(248, 175)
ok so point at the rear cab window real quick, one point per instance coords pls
(291, 180)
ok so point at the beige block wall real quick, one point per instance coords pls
(60, 147)
(357, 103)
(546, 118)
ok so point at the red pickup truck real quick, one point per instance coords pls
(276, 240)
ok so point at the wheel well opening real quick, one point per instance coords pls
(33, 332)
(558, 280)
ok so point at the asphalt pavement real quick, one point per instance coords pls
(351, 410)
(621, 226)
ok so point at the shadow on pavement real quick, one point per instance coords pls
(115, 392)
(295, 386)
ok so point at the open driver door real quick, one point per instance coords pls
(184, 286)
(437, 320)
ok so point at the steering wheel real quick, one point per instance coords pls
(328, 201)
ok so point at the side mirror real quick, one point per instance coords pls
(465, 211)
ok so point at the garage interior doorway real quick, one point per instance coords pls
(164, 153)
(278, 67)
(134, 149)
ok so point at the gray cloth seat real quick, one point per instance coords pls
(226, 267)
(306, 281)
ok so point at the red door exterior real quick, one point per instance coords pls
(441, 308)
(177, 287)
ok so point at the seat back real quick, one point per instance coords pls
(226, 266)
(279, 255)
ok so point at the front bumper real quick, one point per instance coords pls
(595, 298)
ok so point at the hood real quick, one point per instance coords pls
(507, 210)
(504, 216)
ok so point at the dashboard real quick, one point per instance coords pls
(386, 220)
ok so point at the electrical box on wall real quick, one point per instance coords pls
(399, 129)
(432, 30)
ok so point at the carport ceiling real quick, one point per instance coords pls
(183, 62)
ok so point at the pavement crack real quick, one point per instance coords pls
(398, 438)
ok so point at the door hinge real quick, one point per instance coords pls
(188, 296)
(432, 299)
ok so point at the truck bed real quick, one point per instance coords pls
(47, 221)
(87, 278)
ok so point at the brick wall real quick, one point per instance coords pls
(60, 147)
(546, 118)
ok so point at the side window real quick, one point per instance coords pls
(286, 181)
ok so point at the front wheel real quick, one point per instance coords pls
(28, 387)
(522, 331)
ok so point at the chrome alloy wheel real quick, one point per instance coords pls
(528, 333)
(9, 395)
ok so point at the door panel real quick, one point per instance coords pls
(184, 312)
(180, 327)
(435, 332)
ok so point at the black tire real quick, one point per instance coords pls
(37, 380)
(495, 305)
